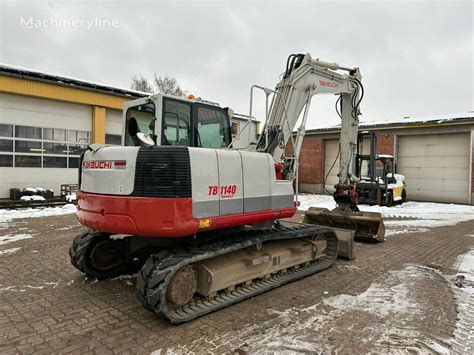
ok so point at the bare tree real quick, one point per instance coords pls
(162, 85)
(139, 83)
(169, 86)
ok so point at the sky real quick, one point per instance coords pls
(416, 57)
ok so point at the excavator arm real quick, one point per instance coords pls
(305, 77)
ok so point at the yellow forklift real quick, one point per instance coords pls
(378, 183)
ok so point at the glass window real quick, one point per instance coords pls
(28, 132)
(78, 136)
(176, 123)
(54, 162)
(28, 161)
(6, 130)
(139, 118)
(54, 148)
(113, 139)
(76, 149)
(73, 162)
(54, 134)
(6, 145)
(212, 128)
(28, 147)
(6, 161)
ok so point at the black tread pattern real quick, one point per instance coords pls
(155, 275)
(79, 255)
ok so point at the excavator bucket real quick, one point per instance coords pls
(366, 225)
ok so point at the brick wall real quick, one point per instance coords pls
(312, 161)
(385, 144)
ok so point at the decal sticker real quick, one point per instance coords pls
(224, 191)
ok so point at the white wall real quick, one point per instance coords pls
(113, 121)
(30, 111)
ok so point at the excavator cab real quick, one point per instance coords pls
(169, 120)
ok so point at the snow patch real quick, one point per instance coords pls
(8, 215)
(408, 217)
(388, 303)
(9, 238)
(9, 251)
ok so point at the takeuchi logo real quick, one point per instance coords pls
(60, 22)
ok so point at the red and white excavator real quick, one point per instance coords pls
(206, 225)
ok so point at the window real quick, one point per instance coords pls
(73, 163)
(235, 128)
(6, 161)
(28, 132)
(28, 161)
(6, 130)
(78, 136)
(176, 123)
(28, 147)
(54, 134)
(113, 139)
(54, 148)
(25, 146)
(6, 145)
(76, 149)
(54, 162)
(139, 119)
(212, 128)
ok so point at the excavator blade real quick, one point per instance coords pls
(365, 225)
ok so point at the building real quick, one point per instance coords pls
(47, 120)
(434, 153)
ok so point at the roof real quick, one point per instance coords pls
(11, 70)
(242, 117)
(420, 120)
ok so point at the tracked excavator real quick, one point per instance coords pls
(205, 225)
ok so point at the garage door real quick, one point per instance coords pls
(436, 166)
(331, 148)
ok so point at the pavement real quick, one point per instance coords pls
(399, 295)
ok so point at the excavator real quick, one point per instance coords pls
(205, 225)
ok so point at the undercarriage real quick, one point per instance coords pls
(184, 281)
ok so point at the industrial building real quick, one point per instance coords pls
(434, 153)
(47, 120)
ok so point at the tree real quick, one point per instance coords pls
(169, 86)
(163, 85)
(141, 84)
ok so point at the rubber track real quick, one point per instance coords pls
(155, 275)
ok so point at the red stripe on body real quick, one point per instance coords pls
(158, 217)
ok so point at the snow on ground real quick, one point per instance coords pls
(10, 238)
(408, 217)
(463, 337)
(9, 251)
(378, 318)
(8, 215)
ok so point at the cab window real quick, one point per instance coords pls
(176, 123)
(139, 119)
(212, 128)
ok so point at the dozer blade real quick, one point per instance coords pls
(366, 225)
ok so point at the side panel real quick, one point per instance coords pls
(97, 179)
(204, 176)
(231, 189)
(282, 192)
(256, 176)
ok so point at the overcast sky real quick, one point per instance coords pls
(416, 57)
